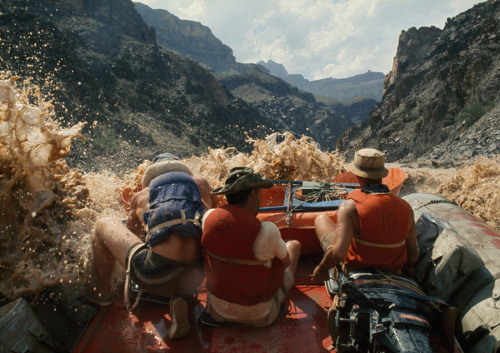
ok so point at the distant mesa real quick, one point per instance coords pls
(369, 84)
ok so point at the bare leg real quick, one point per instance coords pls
(112, 240)
(324, 224)
(179, 318)
(294, 248)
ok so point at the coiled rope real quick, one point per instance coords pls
(324, 191)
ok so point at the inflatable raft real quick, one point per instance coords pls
(459, 264)
(304, 327)
(294, 205)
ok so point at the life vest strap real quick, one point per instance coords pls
(376, 245)
(126, 293)
(183, 221)
(235, 261)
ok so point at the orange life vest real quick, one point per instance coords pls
(384, 220)
(233, 272)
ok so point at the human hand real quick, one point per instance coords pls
(321, 274)
(409, 272)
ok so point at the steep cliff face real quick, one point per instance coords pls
(101, 68)
(110, 12)
(440, 90)
(294, 110)
(283, 105)
(188, 38)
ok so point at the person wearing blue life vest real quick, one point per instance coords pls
(169, 210)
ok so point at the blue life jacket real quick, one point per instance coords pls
(174, 206)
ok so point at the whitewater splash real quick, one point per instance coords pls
(48, 210)
(278, 156)
(39, 194)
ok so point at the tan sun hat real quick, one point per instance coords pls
(242, 178)
(368, 163)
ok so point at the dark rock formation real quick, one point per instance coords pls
(188, 38)
(295, 110)
(369, 85)
(438, 95)
(111, 13)
(136, 98)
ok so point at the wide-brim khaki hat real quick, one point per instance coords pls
(242, 178)
(368, 163)
(167, 156)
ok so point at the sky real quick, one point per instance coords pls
(315, 38)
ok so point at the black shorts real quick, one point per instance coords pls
(160, 276)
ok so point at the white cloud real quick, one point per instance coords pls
(316, 38)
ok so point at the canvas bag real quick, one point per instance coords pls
(447, 264)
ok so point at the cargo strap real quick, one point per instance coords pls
(183, 220)
(140, 277)
(377, 245)
(126, 297)
(235, 261)
(420, 294)
(435, 201)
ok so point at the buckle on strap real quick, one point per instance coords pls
(183, 221)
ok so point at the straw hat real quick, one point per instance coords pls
(368, 163)
(242, 178)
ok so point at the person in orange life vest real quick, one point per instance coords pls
(249, 269)
(170, 262)
(375, 229)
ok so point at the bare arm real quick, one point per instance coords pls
(137, 204)
(293, 249)
(411, 246)
(209, 200)
(344, 232)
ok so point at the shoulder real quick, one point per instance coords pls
(140, 197)
(201, 181)
(347, 207)
(404, 203)
(208, 213)
(269, 229)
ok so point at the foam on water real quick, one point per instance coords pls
(40, 195)
(476, 188)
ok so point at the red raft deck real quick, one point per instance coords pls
(303, 328)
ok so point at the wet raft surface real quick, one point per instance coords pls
(302, 329)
